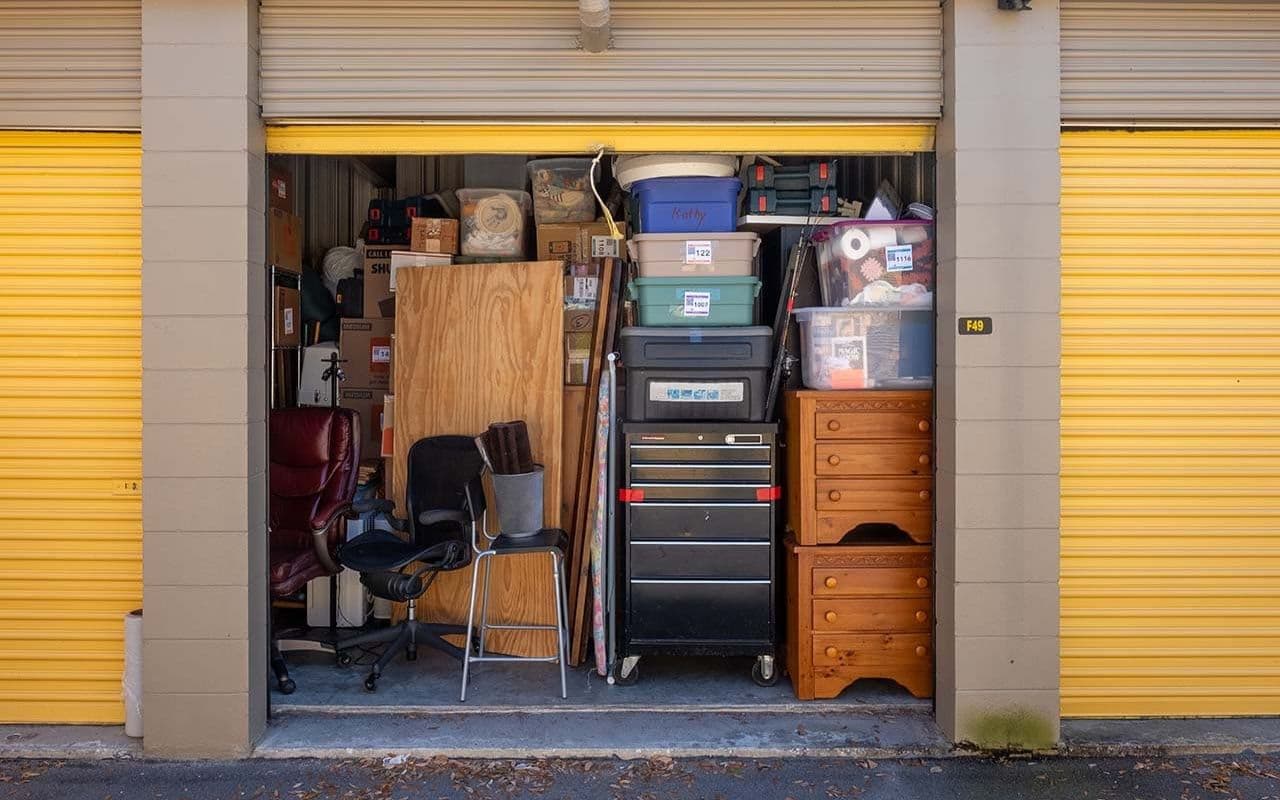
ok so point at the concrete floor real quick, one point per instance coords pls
(666, 684)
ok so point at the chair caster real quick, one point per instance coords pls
(344, 659)
(371, 683)
(764, 671)
(286, 686)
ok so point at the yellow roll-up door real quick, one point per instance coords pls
(1170, 423)
(70, 421)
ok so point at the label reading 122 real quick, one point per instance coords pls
(699, 252)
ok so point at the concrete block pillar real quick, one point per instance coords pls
(997, 394)
(203, 343)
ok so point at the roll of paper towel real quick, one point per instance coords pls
(855, 244)
(882, 236)
(132, 681)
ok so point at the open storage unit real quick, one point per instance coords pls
(684, 371)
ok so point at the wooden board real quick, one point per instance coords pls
(575, 398)
(476, 344)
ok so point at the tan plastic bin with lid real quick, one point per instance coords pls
(674, 255)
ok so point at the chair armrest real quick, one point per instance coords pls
(329, 516)
(384, 510)
(320, 539)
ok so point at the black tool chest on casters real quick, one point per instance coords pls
(699, 546)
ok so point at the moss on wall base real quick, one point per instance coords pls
(1010, 729)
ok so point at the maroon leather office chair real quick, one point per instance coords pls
(315, 459)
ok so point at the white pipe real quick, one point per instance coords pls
(594, 16)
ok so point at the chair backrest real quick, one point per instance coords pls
(442, 470)
(315, 459)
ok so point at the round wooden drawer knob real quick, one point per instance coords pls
(833, 425)
(833, 460)
(923, 425)
(924, 459)
(832, 652)
(921, 616)
(830, 616)
(830, 583)
(925, 495)
(922, 651)
(923, 583)
(833, 496)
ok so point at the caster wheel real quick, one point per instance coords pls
(371, 683)
(287, 686)
(629, 679)
(757, 675)
(344, 659)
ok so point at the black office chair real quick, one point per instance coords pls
(445, 499)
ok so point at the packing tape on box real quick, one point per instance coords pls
(855, 244)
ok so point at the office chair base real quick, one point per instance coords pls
(403, 637)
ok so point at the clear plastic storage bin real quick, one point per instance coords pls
(875, 263)
(866, 348)
(562, 190)
(494, 222)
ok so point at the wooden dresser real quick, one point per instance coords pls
(854, 609)
(858, 457)
(859, 611)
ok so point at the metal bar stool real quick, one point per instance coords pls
(552, 541)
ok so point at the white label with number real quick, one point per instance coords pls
(898, 258)
(288, 322)
(604, 247)
(699, 252)
(381, 354)
(697, 304)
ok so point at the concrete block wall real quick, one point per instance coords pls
(998, 396)
(204, 388)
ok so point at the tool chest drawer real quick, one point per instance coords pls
(700, 521)
(702, 612)
(859, 611)
(691, 559)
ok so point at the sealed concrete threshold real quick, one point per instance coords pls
(1172, 736)
(67, 742)
(850, 732)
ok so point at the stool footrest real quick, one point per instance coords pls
(517, 627)
(531, 659)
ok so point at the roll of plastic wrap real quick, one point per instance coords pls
(131, 684)
(882, 236)
(855, 244)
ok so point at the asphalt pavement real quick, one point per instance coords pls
(1245, 777)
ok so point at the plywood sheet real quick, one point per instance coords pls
(575, 399)
(476, 344)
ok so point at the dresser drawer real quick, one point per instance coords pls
(834, 494)
(874, 425)
(873, 582)
(908, 458)
(864, 650)
(694, 559)
(890, 614)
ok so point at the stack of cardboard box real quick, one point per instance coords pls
(579, 245)
(368, 343)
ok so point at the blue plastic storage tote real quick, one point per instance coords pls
(687, 205)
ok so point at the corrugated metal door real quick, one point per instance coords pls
(1139, 60)
(1170, 423)
(71, 64)
(519, 59)
(70, 421)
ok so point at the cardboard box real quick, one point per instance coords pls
(388, 425)
(402, 258)
(571, 241)
(368, 402)
(280, 190)
(579, 319)
(434, 236)
(284, 239)
(375, 266)
(581, 290)
(366, 346)
(288, 317)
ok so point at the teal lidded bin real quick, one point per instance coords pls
(695, 300)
